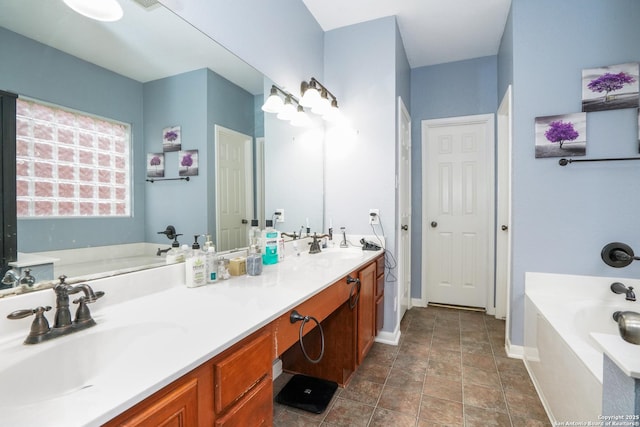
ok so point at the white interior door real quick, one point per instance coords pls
(458, 210)
(503, 235)
(404, 198)
(234, 188)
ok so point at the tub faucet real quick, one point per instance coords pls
(619, 288)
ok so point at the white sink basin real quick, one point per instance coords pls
(341, 253)
(71, 363)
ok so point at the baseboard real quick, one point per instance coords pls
(391, 338)
(514, 351)
(418, 302)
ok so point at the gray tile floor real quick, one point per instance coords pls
(450, 369)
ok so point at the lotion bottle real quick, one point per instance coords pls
(196, 269)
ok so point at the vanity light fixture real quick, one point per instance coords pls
(100, 10)
(320, 99)
(289, 109)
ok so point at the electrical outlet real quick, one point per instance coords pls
(374, 216)
(279, 215)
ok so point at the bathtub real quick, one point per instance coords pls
(564, 315)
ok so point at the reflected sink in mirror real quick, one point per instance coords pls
(66, 365)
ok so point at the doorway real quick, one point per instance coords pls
(458, 211)
(404, 203)
(234, 187)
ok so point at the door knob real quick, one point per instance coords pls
(434, 224)
(404, 227)
(504, 228)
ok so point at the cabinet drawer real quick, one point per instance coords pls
(237, 373)
(254, 410)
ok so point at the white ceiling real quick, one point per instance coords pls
(433, 31)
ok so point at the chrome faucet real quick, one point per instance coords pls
(619, 288)
(62, 325)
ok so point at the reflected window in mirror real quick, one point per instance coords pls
(70, 163)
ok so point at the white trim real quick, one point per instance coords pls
(419, 302)
(513, 351)
(489, 121)
(402, 256)
(259, 162)
(391, 338)
(504, 144)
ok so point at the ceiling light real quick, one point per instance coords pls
(100, 10)
(274, 103)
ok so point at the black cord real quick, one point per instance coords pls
(390, 262)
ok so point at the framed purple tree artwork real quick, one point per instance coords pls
(610, 88)
(561, 136)
(171, 139)
(188, 163)
(155, 165)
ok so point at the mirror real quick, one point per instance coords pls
(193, 83)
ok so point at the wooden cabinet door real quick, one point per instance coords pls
(366, 310)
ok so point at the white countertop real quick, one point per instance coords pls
(159, 336)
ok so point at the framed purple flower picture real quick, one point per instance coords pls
(561, 136)
(155, 165)
(610, 88)
(188, 163)
(171, 139)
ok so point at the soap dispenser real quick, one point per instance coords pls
(175, 254)
(196, 268)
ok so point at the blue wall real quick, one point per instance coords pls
(196, 101)
(362, 66)
(563, 216)
(35, 70)
(455, 89)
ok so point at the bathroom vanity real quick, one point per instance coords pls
(202, 356)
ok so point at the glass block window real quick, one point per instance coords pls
(70, 164)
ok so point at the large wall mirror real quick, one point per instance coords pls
(156, 73)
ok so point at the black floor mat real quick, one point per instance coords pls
(307, 393)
